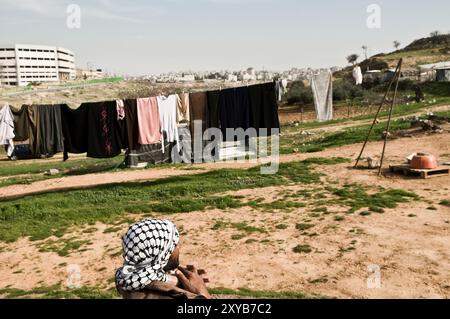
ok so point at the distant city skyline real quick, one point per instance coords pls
(153, 37)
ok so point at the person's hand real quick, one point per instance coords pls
(192, 281)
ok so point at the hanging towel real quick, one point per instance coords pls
(21, 124)
(168, 118)
(183, 108)
(7, 129)
(149, 121)
(357, 75)
(51, 138)
(234, 106)
(322, 86)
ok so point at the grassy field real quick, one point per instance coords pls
(42, 216)
(299, 143)
(399, 110)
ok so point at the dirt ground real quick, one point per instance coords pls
(410, 244)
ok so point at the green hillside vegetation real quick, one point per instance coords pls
(423, 51)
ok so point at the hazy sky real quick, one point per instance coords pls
(154, 36)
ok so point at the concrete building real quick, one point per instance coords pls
(91, 74)
(435, 72)
(22, 64)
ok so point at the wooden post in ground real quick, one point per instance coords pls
(378, 113)
(388, 128)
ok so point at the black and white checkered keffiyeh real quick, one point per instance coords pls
(147, 247)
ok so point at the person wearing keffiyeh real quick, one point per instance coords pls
(151, 264)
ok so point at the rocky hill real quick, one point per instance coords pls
(423, 51)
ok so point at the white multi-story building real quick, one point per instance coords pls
(22, 64)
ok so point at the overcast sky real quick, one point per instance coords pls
(155, 36)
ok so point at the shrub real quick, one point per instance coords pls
(300, 94)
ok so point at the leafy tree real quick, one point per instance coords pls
(352, 58)
(364, 47)
(434, 34)
(397, 44)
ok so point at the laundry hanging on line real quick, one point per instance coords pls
(7, 129)
(357, 75)
(104, 129)
(322, 86)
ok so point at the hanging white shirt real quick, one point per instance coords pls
(167, 107)
(7, 128)
(357, 75)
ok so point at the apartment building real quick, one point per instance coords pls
(22, 64)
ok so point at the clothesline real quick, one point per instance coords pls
(173, 92)
(142, 125)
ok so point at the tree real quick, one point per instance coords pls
(434, 34)
(352, 58)
(364, 47)
(396, 45)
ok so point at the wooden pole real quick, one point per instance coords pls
(397, 75)
(376, 116)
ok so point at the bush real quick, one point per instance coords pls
(436, 88)
(298, 93)
(407, 85)
(345, 90)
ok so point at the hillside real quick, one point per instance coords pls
(422, 51)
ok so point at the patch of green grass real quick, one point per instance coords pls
(377, 210)
(439, 91)
(56, 292)
(70, 167)
(277, 205)
(23, 180)
(238, 226)
(63, 247)
(347, 136)
(346, 250)
(303, 227)
(302, 249)
(445, 202)
(89, 230)
(112, 230)
(282, 226)
(44, 215)
(356, 197)
(238, 236)
(321, 280)
(244, 292)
